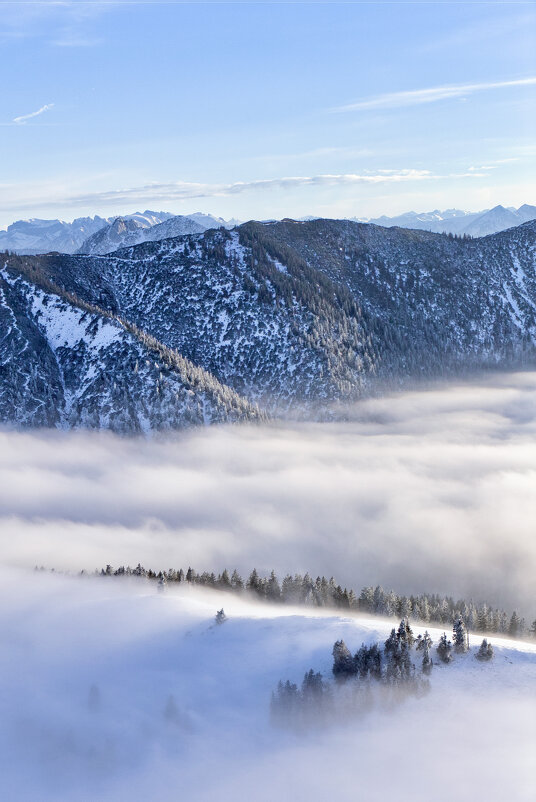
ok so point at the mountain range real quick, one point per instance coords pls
(123, 232)
(98, 235)
(280, 318)
(454, 221)
(42, 236)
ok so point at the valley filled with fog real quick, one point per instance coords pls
(114, 690)
(430, 491)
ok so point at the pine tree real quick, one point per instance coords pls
(427, 663)
(237, 583)
(444, 649)
(424, 642)
(459, 635)
(514, 625)
(485, 652)
(313, 688)
(343, 663)
(223, 580)
(405, 633)
(254, 583)
(273, 590)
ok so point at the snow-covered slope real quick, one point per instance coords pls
(67, 364)
(315, 311)
(113, 691)
(296, 316)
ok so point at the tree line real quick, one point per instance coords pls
(303, 590)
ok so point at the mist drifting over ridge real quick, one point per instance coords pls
(425, 491)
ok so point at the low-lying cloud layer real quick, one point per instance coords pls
(89, 667)
(426, 491)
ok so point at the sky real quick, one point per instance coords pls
(261, 110)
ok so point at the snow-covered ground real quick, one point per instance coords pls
(88, 667)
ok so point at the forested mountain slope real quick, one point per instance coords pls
(305, 313)
(66, 363)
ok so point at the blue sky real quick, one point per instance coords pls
(265, 110)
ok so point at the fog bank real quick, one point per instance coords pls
(426, 491)
(89, 664)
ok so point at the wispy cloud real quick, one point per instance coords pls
(50, 195)
(183, 190)
(417, 97)
(24, 117)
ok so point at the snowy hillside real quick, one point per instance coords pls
(298, 317)
(316, 311)
(114, 691)
(66, 364)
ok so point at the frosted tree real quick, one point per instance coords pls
(514, 625)
(485, 652)
(273, 589)
(460, 637)
(423, 642)
(405, 633)
(427, 663)
(343, 662)
(254, 583)
(444, 649)
(237, 583)
(368, 662)
(224, 581)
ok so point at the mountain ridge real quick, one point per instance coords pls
(298, 316)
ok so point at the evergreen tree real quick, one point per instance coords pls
(460, 638)
(224, 580)
(427, 663)
(444, 649)
(514, 625)
(391, 644)
(485, 652)
(273, 590)
(313, 687)
(343, 663)
(423, 642)
(254, 583)
(405, 633)
(237, 583)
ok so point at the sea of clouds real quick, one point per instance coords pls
(89, 664)
(423, 491)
